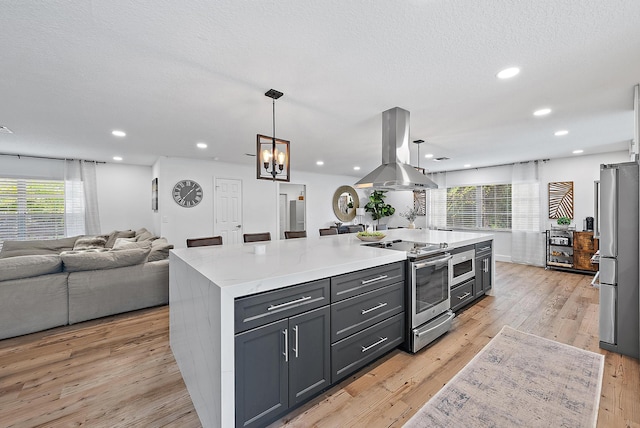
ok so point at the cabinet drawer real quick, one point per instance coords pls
(259, 309)
(483, 248)
(351, 315)
(356, 351)
(462, 294)
(352, 284)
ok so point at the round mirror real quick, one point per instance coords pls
(345, 202)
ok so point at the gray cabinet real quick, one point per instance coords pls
(367, 317)
(283, 363)
(293, 343)
(484, 260)
(262, 374)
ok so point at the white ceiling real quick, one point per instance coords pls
(172, 73)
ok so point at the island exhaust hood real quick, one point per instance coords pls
(395, 173)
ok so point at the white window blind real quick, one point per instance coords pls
(31, 209)
(472, 207)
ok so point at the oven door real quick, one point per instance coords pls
(430, 291)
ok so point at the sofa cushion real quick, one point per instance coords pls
(159, 250)
(90, 242)
(104, 260)
(38, 247)
(29, 266)
(119, 234)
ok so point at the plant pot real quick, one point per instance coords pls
(411, 225)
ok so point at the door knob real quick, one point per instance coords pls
(239, 226)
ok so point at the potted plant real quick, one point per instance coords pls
(377, 207)
(564, 222)
(410, 215)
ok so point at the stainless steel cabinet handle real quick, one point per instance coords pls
(378, 278)
(433, 262)
(486, 265)
(293, 302)
(464, 296)
(286, 345)
(382, 340)
(378, 306)
(418, 333)
(296, 346)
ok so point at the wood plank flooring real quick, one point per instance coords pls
(119, 371)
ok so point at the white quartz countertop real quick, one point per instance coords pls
(239, 271)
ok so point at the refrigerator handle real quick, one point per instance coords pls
(596, 209)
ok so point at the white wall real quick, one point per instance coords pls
(260, 198)
(124, 197)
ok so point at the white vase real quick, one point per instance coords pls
(411, 225)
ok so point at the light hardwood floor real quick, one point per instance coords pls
(119, 371)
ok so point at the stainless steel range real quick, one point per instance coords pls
(428, 292)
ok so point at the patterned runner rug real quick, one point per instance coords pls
(519, 380)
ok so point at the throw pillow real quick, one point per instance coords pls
(29, 266)
(119, 234)
(159, 250)
(90, 242)
(122, 243)
(104, 260)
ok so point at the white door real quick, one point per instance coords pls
(228, 210)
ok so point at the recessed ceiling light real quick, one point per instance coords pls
(467, 165)
(542, 112)
(202, 145)
(508, 73)
(118, 133)
(117, 158)
(428, 155)
(561, 133)
(577, 152)
(319, 163)
(356, 168)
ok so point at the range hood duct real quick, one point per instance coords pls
(395, 173)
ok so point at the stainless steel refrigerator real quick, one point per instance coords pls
(619, 238)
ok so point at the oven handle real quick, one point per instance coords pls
(433, 262)
(449, 318)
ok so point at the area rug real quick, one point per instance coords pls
(519, 380)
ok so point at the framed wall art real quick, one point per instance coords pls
(561, 199)
(154, 194)
(420, 201)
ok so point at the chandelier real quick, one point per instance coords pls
(272, 155)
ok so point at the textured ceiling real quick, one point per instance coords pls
(172, 73)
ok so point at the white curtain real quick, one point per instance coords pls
(436, 202)
(81, 198)
(527, 241)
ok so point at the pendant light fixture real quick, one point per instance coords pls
(272, 160)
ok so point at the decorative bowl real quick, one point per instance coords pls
(370, 238)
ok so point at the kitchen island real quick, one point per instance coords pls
(206, 281)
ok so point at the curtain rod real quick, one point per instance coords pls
(47, 157)
(490, 166)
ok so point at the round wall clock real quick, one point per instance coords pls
(187, 193)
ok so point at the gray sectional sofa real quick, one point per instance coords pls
(49, 283)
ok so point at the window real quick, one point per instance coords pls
(473, 207)
(31, 209)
